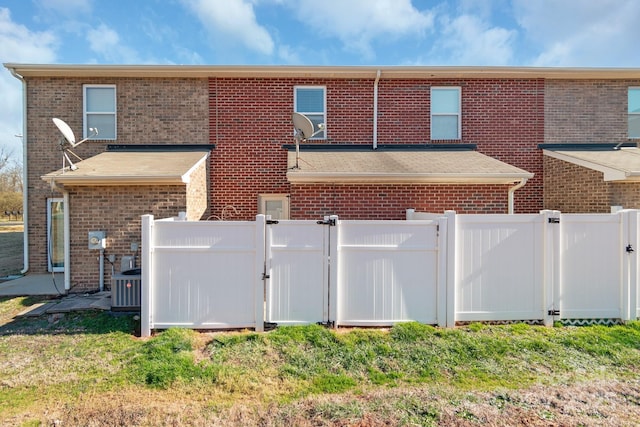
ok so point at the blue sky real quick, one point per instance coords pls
(566, 33)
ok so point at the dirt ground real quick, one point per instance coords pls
(11, 244)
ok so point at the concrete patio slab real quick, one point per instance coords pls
(34, 284)
(70, 303)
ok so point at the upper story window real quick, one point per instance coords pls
(312, 102)
(100, 110)
(634, 112)
(445, 113)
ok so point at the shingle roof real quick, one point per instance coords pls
(131, 168)
(345, 166)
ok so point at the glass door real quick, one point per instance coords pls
(55, 234)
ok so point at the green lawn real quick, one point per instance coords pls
(11, 244)
(91, 369)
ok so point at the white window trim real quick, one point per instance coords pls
(114, 112)
(324, 105)
(458, 114)
(264, 198)
(50, 266)
(630, 113)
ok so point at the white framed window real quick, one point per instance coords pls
(312, 102)
(633, 110)
(445, 113)
(99, 106)
(276, 205)
(55, 234)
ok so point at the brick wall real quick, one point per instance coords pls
(149, 111)
(375, 201)
(251, 120)
(586, 110)
(117, 211)
(198, 193)
(571, 188)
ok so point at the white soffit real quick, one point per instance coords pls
(433, 166)
(132, 168)
(616, 165)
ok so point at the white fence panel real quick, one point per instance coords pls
(387, 272)
(591, 266)
(499, 267)
(297, 262)
(204, 274)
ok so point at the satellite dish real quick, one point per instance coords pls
(65, 130)
(303, 125)
(303, 131)
(70, 139)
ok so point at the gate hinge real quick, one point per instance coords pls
(265, 276)
(629, 248)
(330, 222)
(553, 312)
(272, 221)
(554, 220)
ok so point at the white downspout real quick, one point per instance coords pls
(67, 241)
(25, 184)
(375, 111)
(512, 190)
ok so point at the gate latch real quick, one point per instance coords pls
(330, 221)
(629, 248)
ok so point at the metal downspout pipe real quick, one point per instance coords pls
(512, 190)
(375, 111)
(25, 186)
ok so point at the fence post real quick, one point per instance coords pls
(147, 279)
(333, 284)
(451, 270)
(261, 273)
(552, 263)
(629, 265)
(634, 282)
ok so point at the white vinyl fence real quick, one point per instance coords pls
(435, 269)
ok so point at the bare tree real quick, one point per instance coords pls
(11, 184)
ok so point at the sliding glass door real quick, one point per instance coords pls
(55, 234)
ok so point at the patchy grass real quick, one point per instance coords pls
(11, 244)
(90, 369)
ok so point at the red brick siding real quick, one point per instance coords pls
(250, 121)
(372, 201)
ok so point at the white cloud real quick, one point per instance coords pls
(581, 33)
(67, 8)
(105, 41)
(234, 19)
(357, 23)
(18, 45)
(466, 40)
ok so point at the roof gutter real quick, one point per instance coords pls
(25, 186)
(512, 190)
(375, 111)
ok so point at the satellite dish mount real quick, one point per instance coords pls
(303, 131)
(68, 141)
